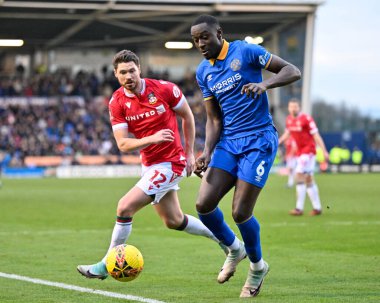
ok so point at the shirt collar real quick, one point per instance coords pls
(223, 53)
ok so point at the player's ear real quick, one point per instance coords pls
(219, 33)
(140, 72)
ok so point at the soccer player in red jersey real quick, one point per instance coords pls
(302, 128)
(148, 109)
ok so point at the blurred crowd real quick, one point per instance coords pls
(59, 125)
(60, 114)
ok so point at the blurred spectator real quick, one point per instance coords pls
(357, 156)
(335, 154)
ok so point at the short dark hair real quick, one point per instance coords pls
(294, 100)
(208, 19)
(125, 56)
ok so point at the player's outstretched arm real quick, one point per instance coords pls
(126, 144)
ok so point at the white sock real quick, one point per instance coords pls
(196, 227)
(235, 245)
(120, 235)
(290, 179)
(301, 195)
(257, 266)
(313, 194)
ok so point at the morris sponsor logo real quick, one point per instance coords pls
(227, 84)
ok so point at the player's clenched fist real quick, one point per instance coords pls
(201, 164)
(163, 135)
(253, 89)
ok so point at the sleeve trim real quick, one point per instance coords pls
(314, 131)
(269, 61)
(208, 98)
(119, 126)
(180, 102)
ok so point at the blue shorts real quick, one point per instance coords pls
(248, 158)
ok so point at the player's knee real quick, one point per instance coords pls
(202, 207)
(239, 215)
(124, 209)
(172, 223)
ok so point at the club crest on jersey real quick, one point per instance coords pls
(235, 65)
(152, 98)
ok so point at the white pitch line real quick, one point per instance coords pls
(336, 223)
(90, 231)
(80, 289)
(66, 231)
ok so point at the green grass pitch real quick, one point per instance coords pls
(49, 226)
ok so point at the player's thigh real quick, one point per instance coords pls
(301, 177)
(215, 184)
(254, 166)
(305, 164)
(132, 201)
(159, 179)
(244, 200)
(309, 179)
(169, 209)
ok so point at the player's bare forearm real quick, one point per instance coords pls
(188, 126)
(126, 144)
(130, 144)
(318, 139)
(287, 74)
(213, 130)
(214, 126)
(284, 136)
(284, 73)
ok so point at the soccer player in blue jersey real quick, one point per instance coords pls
(241, 140)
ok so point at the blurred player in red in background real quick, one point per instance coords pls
(148, 109)
(291, 159)
(302, 128)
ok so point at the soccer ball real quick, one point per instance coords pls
(124, 262)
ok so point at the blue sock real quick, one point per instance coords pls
(250, 232)
(214, 221)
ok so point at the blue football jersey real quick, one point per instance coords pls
(222, 80)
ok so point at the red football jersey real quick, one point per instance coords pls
(302, 128)
(146, 114)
